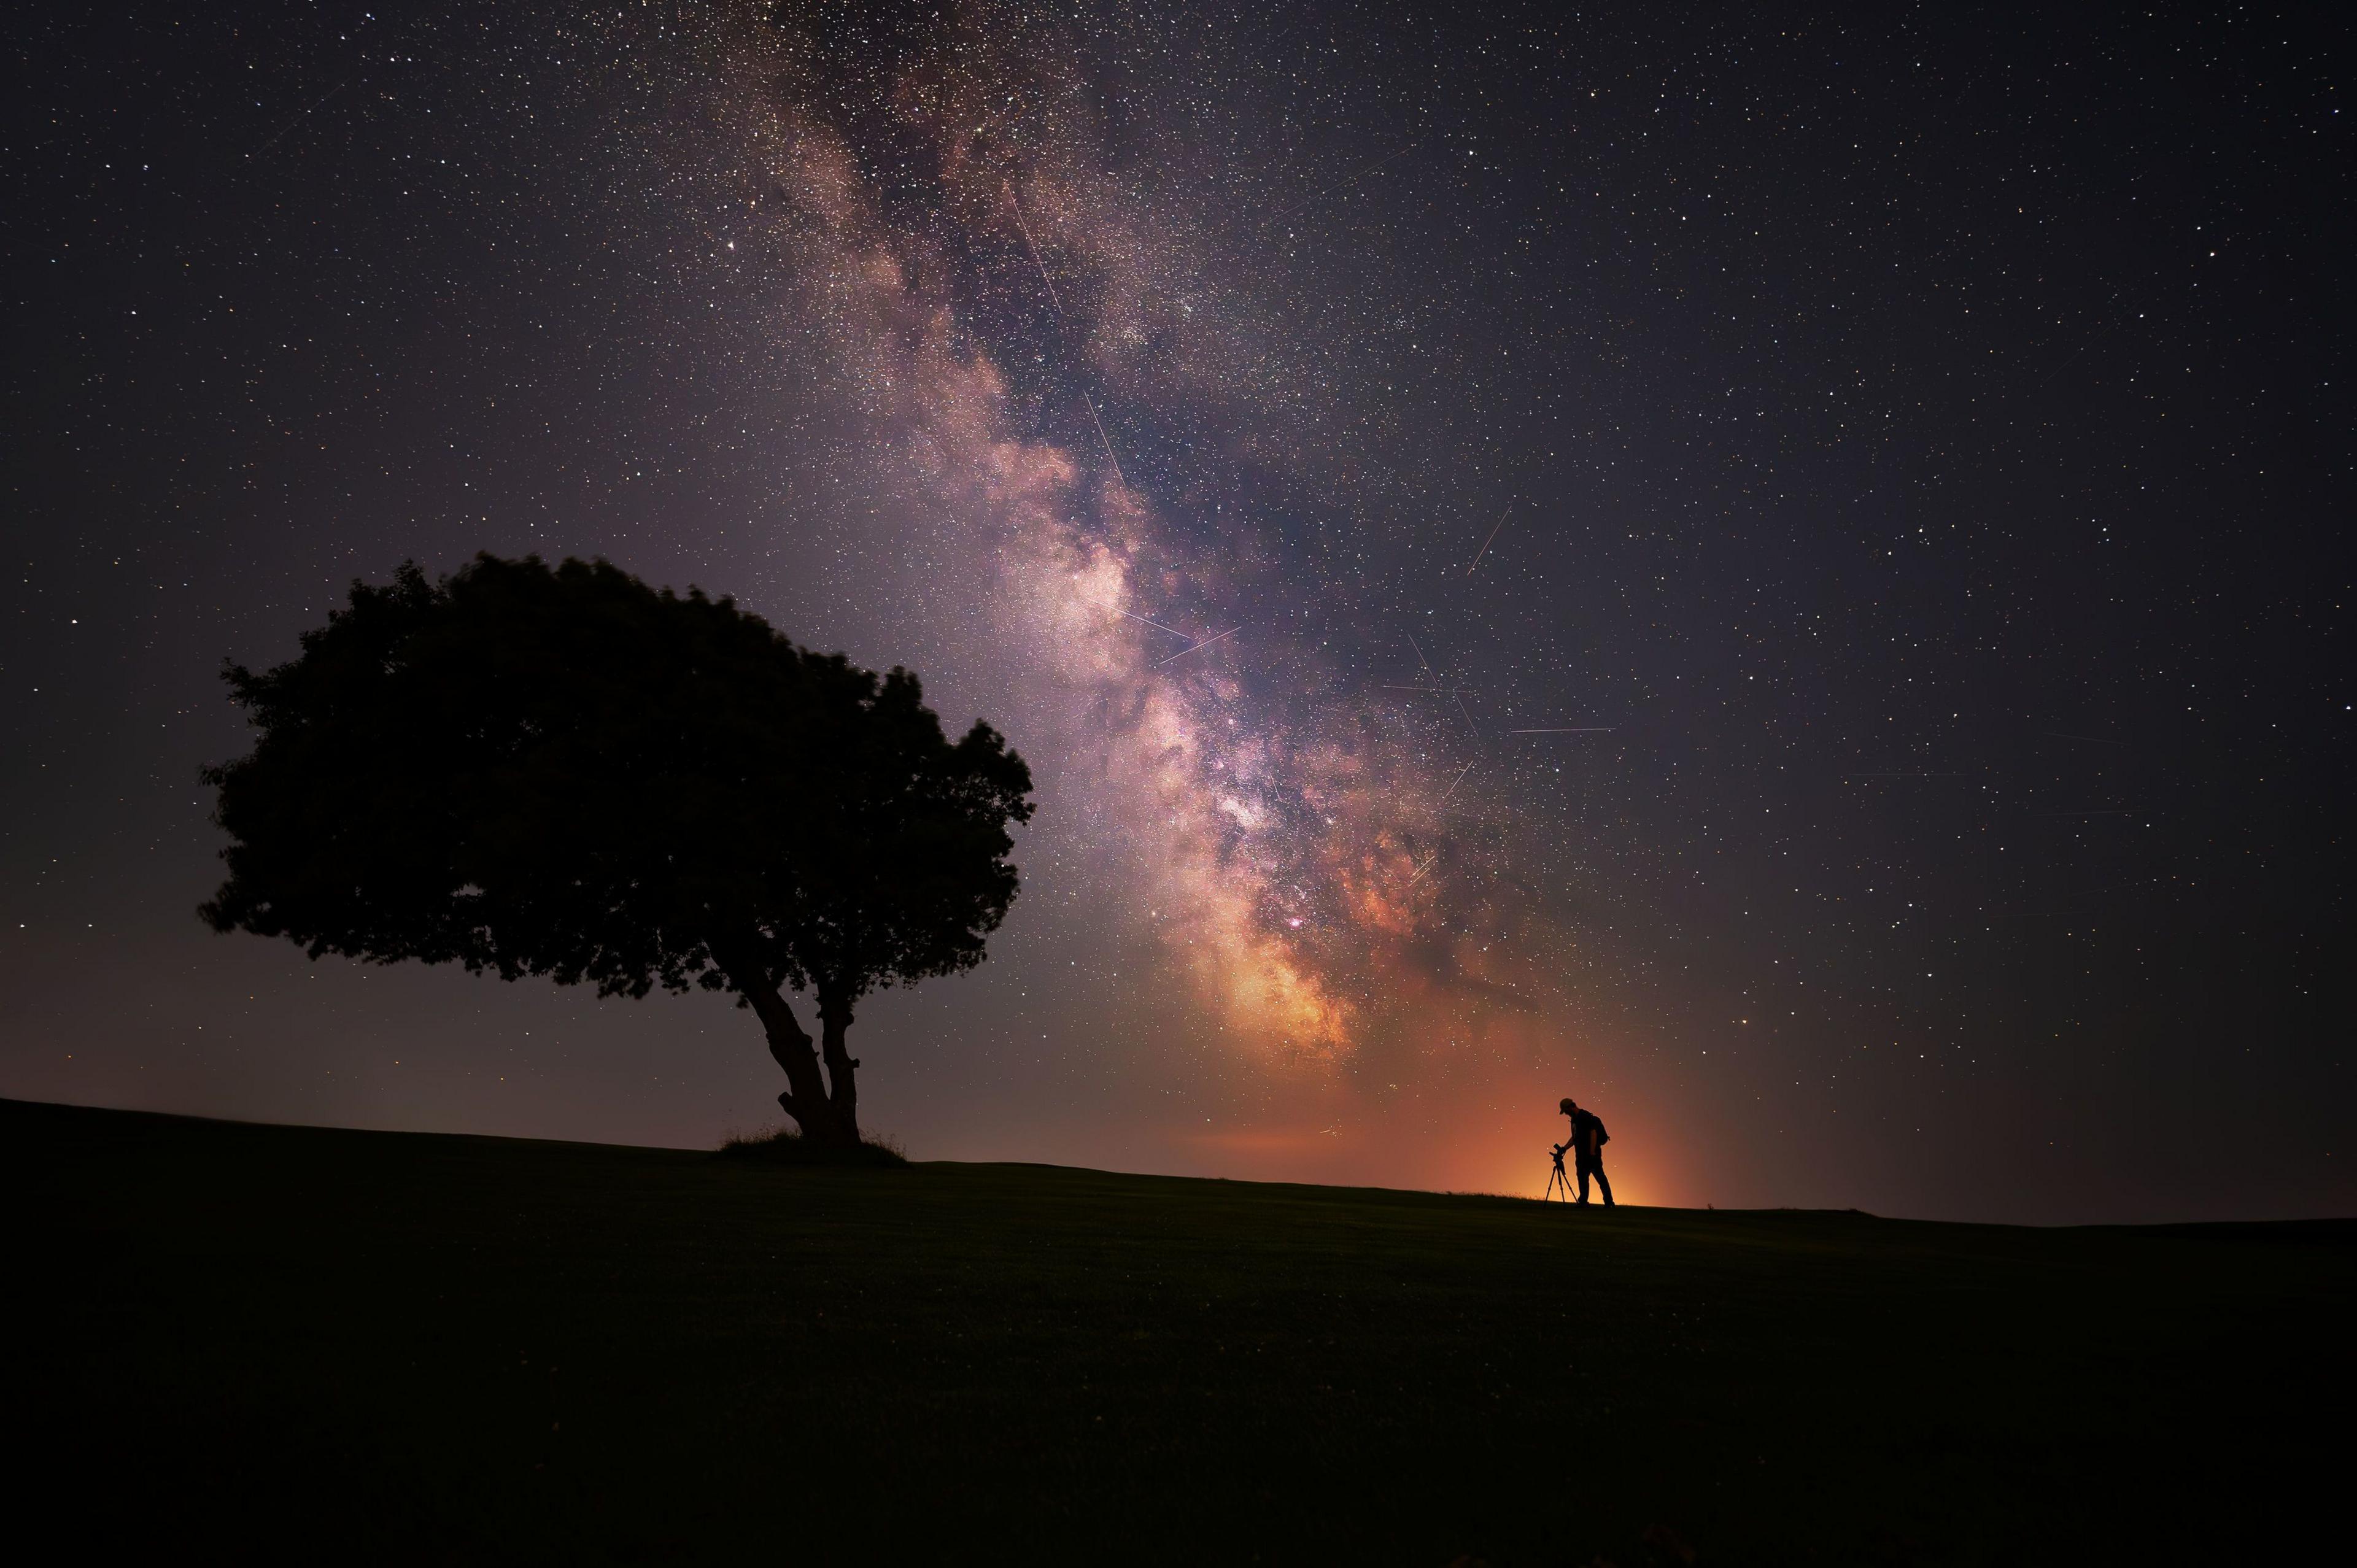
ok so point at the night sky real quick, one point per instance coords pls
(1783, 573)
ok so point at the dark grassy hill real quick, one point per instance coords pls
(254, 1341)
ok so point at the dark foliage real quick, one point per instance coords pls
(564, 772)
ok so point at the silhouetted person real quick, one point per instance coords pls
(1588, 1139)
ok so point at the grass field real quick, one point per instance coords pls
(253, 1341)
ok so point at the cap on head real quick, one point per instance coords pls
(1567, 1107)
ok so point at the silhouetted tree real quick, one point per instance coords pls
(564, 772)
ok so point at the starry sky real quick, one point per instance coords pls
(1783, 573)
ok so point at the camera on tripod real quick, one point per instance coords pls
(1558, 1183)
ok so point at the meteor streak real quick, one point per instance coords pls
(1446, 689)
(1485, 544)
(1056, 302)
(298, 119)
(1466, 711)
(1420, 659)
(1155, 624)
(1054, 299)
(1107, 445)
(1205, 643)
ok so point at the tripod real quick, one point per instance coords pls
(1556, 1181)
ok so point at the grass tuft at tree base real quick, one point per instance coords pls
(784, 1147)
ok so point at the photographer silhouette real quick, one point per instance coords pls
(1587, 1145)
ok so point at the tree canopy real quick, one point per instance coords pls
(564, 772)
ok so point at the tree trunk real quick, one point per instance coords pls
(805, 1097)
(842, 1068)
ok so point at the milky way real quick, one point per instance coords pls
(1279, 821)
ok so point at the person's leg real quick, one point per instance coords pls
(1601, 1181)
(1583, 1184)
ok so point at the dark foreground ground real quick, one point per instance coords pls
(274, 1341)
